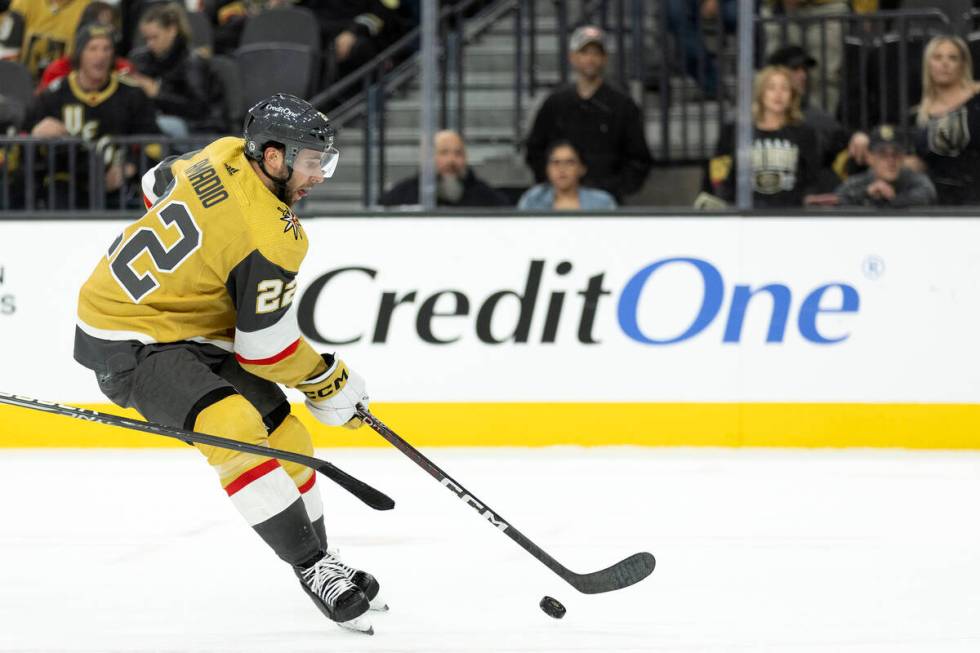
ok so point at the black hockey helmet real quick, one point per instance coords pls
(293, 123)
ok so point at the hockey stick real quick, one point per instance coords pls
(360, 489)
(622, 574)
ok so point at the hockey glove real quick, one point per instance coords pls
(333, 395)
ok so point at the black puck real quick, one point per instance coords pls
(552, 607)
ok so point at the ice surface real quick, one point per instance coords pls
(757, 550)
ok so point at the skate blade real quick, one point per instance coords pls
(357, 625)
(378, 604)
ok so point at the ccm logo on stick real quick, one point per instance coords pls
(461, 493)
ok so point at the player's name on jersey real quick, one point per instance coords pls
(206, 183)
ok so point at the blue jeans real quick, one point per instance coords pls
(684, 21)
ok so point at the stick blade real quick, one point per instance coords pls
(370, 496)
(622, 574)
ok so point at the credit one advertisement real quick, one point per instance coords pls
(580, 310)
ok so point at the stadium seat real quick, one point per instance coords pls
(16, 84)
(225, 70)
(268, 68)
(202, 34)
(284, 24)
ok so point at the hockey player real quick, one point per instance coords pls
(189, 318)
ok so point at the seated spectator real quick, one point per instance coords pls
(100, 13)
(356, 31)
(947, 119)
(456, 184)
(563, 191)
(887, 183)
(175, 78)
(784, 149)
(832, 138)
(603, 124)
(92, 103)
(36, 32)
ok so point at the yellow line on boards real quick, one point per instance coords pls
(915, 426)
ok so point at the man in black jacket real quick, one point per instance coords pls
(603, 124)
(456, 185)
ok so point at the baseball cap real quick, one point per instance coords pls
(791, 56)
(584, 35)
(884, 136)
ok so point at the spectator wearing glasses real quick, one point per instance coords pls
(563, 190)
(603, 123)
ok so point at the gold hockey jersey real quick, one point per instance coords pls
(213, 260)
(40, 30)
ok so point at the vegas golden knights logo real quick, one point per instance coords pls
(949, 135)
(74, 120)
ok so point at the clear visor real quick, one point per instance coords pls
(316, 163)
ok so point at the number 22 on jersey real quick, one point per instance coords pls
(164, 259)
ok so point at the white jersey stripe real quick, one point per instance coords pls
(112, 334)
(266, 343)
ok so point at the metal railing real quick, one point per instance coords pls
(360, 100)
(879, 78)
(54, 176)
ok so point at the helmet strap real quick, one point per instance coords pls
(282, 190)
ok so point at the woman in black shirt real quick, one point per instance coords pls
(784, 150)
(948, 121)
(176, 79)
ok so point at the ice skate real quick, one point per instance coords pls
(364, 581)
(327, 583)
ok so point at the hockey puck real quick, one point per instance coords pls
(552, 607)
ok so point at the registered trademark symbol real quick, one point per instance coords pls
(873, 267)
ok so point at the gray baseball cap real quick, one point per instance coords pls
(584, 35)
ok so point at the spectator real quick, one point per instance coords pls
(92, 103)
(603, 124)
(684, 22)
(816, 34)
(456, 184)
(175, 78)
(948, 118)
(887, 183)
(832, 138)
(37, 32)
(784, 149)
(563, 191)
(357, 30)
(100, 13)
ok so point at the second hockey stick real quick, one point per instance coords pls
(622, 574)
(370, 496)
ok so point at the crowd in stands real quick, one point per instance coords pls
(102, 70)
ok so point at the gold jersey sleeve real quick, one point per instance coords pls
(49, 30)
(213, 260)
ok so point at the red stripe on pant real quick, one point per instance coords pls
(253, 474)
(306, 487)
